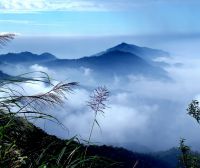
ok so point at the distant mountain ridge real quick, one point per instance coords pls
(25, 57)
(122, 59)
(117, 61)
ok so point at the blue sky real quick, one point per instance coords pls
(100, 17)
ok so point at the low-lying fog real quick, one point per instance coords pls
(150, 113)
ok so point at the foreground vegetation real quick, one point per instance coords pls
(190, 159)
(23, 145)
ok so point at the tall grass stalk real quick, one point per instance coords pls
(97, 104)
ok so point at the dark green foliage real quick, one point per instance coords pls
(188, 158)
(171, 156)
(194, 110)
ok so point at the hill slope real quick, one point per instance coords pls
(39, 147)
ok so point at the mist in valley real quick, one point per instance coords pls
(143, 112)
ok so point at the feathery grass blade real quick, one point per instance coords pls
(5, 38)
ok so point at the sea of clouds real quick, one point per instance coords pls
(145, 112)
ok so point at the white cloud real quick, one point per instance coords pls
(45, 5)
(19, 6)
(36, 68)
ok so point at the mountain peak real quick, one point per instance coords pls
(123, 44)
(143, 52)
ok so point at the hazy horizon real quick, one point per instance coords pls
(69, 47)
